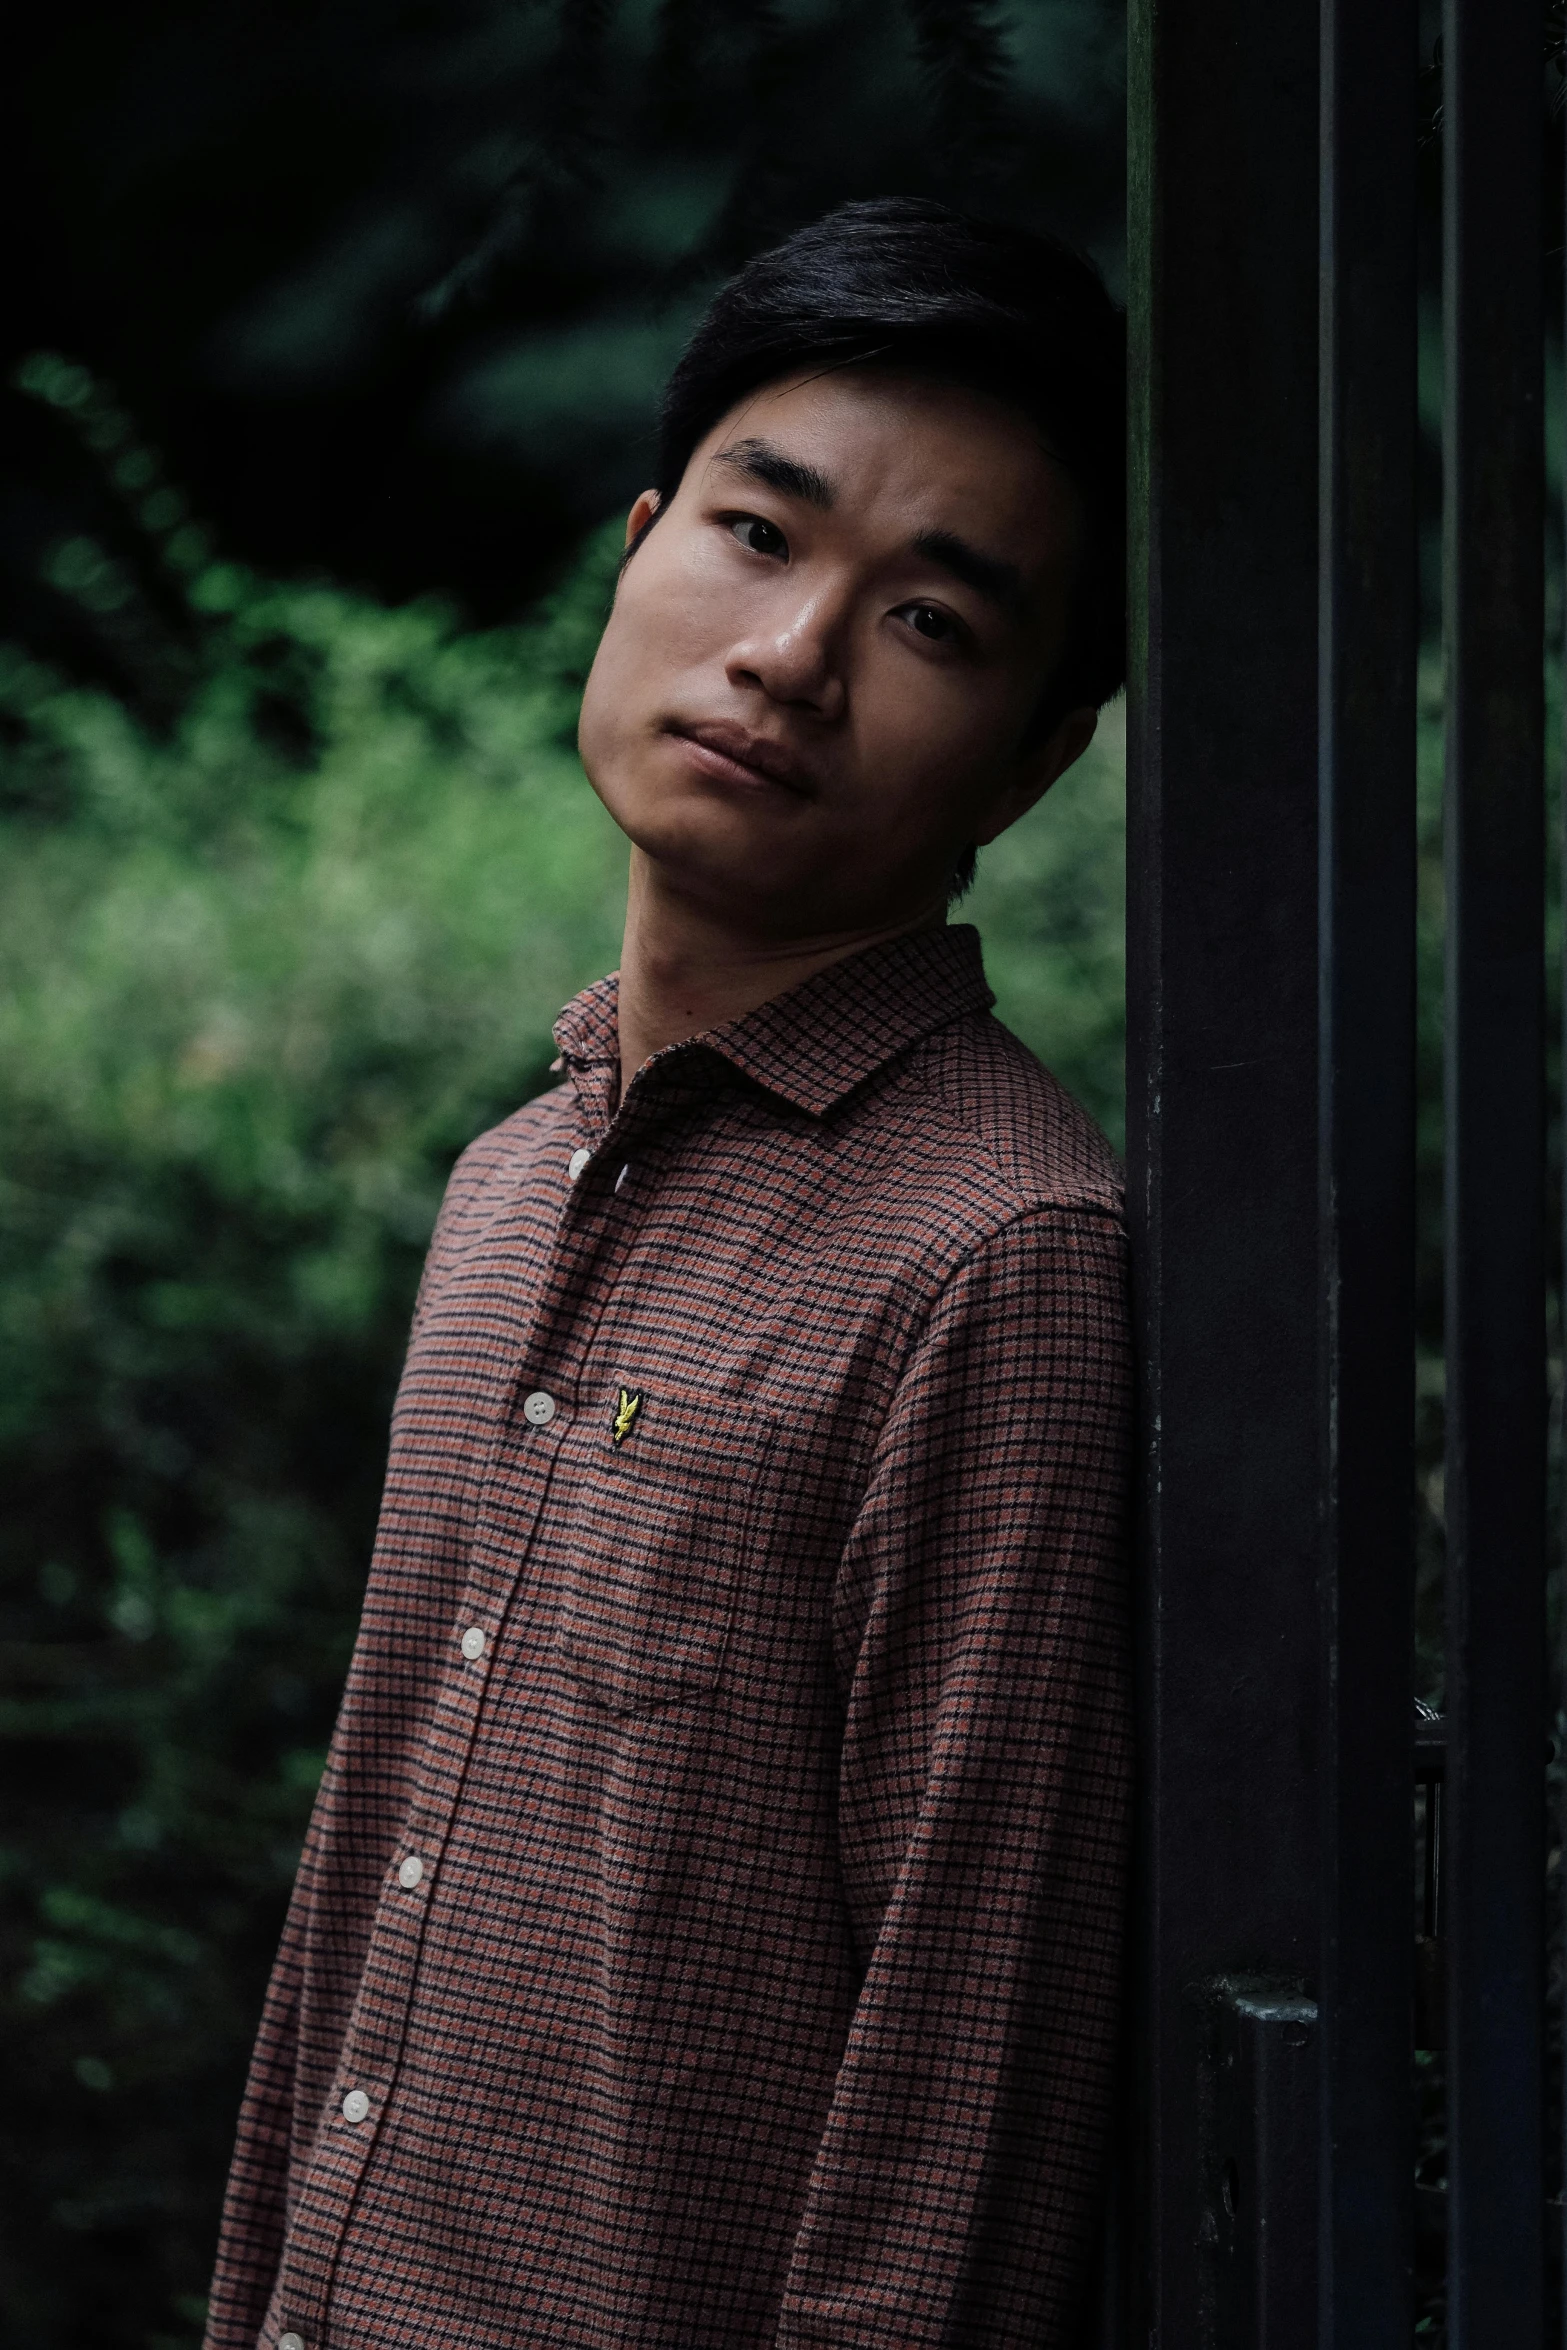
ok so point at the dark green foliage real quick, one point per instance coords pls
(292, 883)
(265, 970)
(274, 943)
(395, 288)
(898, 94)
(963, 50)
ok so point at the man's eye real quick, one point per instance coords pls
(762, 538)
(929, 620)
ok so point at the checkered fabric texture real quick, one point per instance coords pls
(708, 1931)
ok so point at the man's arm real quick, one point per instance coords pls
(983, 1815)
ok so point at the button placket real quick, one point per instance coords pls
(377, 2030)
(585, 1234)
(438, 1779)
(509, 1507)
(338, 2162)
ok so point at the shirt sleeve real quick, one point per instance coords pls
(983, 1799)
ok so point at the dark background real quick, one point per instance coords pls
(389, 283)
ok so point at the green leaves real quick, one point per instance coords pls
(269, 956)
(265, 967)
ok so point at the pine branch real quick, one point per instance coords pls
(763, 68)
(963, 56)
(560, 155)
(1553, 51)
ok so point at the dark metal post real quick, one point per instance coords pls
(1222, 904)
(1264, 2099)
(1495, 1208)
(1366, 954)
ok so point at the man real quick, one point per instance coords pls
(707, 1933)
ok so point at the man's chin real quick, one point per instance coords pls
(746, 885)
(751, 884)
(701, 845)
(767, 871)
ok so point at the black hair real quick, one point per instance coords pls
(909, 283)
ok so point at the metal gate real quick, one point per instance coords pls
(1269, 2198)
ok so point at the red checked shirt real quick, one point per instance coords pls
(707, 1934)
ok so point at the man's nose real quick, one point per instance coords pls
(797, 658)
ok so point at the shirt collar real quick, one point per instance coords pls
(820, 1040)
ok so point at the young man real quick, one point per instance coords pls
(707, 1934)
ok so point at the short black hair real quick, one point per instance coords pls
(906, 282)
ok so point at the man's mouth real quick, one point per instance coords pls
(734, 754)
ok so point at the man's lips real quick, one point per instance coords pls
(735, 755)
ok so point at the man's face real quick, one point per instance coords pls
(819, 673)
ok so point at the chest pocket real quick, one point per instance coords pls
(658, 1538)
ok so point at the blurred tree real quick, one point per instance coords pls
(278, 934)
(293, 878)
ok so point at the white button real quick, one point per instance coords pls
(621, 1177)
(473, 1644)
(577, 1161)
(410, 1873)
(291, 2342)
(355, 2106)
(539, 1409)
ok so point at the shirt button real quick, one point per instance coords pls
(539, 1409)
(355, 2106)
(291, 2342)
(621, 1177)
(473, 1644)
(577, 1161)
(410, 1873)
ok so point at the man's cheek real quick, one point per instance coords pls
(910, 749)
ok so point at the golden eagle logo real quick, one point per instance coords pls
(625, 1418)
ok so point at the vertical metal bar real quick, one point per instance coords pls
(1264, 2136)
(1557, 2252)
(1222, 904)
(1493, 587)
(1366, 950)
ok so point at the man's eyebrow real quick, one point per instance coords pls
(988, 575)
(762, 461)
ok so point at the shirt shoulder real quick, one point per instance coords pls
(1005, 1129)
(496, 1161)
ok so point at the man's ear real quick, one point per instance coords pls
(640, 516)
(1036, 771)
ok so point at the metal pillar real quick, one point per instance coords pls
(1366, 1205)
(1493, 597)
(1271, 909)
(1222, 1086)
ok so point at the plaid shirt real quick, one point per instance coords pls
(707, 1935)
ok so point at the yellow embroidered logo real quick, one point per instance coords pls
(625, 1416)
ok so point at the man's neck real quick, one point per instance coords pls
(684, 969)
